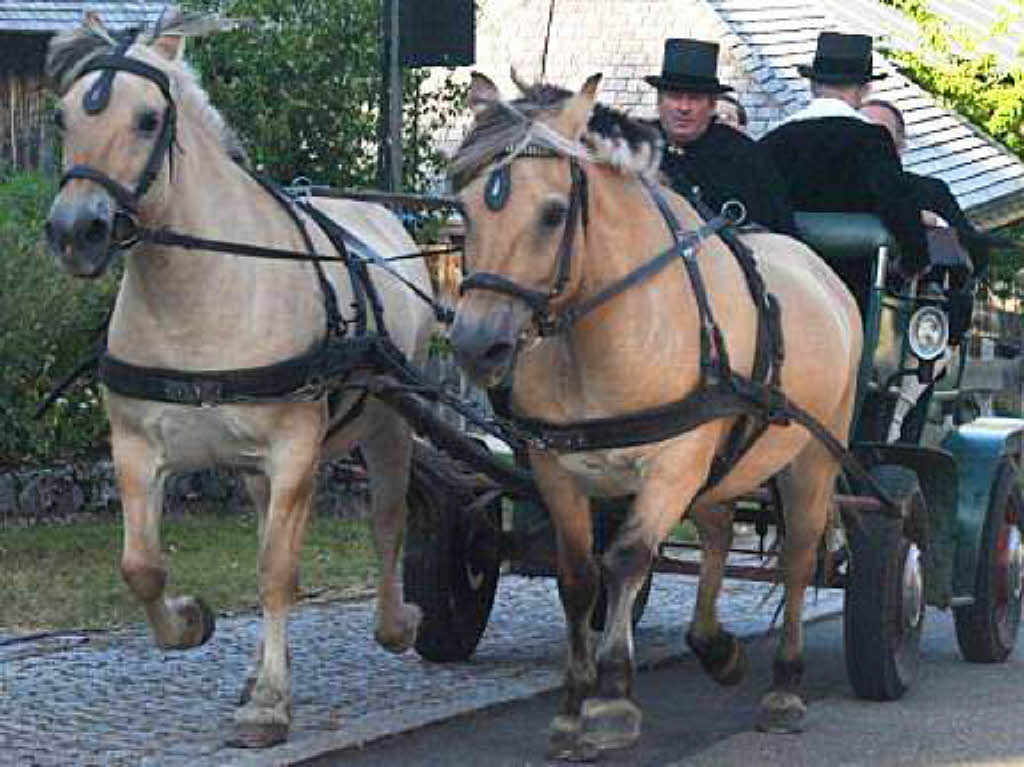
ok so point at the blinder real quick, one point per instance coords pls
(96, 100)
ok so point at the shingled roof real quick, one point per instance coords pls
(46, 16)
(762, 42)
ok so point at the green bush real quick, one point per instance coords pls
(300, 81)
(47, 323)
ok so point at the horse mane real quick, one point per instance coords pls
(70, 50)
(503, 129)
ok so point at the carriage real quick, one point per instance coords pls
(270, 368)
(956, 473)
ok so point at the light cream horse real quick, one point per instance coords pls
(640, 350)
(200, 311)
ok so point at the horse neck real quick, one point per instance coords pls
(641, 346)
(197, 309)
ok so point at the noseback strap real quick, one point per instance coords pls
(125, 197)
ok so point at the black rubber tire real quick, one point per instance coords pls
(882, 650)
(452, 556)
(987, 630)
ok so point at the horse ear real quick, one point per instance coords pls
(576, 112)
(92, 20)
(482, 92)
(519, 82)
(170, 46)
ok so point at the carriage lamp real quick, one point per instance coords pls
(928, 332)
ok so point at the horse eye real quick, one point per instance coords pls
(553, 215)
(148, 122)
(58, 119)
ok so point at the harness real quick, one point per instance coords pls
(308, 376)
(721, 392)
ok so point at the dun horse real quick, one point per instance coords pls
(559, 208)
(145, 143)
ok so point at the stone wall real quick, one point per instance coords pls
(86, 490)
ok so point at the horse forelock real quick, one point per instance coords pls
(72, 49)
(502, 130)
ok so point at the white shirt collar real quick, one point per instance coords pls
(824, 107)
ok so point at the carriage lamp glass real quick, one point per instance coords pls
(928, 332)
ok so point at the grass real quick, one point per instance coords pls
(67, 577)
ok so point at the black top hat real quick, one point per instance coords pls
(690, 66)
(841, 60)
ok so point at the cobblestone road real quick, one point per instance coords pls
(114, 699)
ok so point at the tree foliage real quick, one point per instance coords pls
(954, 64)
(300, 81)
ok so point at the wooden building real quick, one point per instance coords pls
(26, 133)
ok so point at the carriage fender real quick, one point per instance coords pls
(979, 448)
(936, 471)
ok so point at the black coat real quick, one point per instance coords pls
(846, 165)
(934, 194)
(724, 165)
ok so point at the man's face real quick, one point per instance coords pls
(685, 116)
(885, 118)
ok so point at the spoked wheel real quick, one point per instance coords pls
(987, 630)
(452, 556)
(883, 610)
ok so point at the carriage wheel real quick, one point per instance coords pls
(883, 609)
(987, 630)
(451, 558)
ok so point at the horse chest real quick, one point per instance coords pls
(607, 473)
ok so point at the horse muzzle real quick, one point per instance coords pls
(78, 234)
(485, 347)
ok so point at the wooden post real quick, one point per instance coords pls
(389, 152)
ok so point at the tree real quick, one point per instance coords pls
(300, 82)
(952, 63)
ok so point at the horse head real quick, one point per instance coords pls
(118, 116)
(523, 197)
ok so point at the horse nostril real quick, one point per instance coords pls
(96, 232)
(497, 353)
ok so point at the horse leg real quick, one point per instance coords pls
(176, 623)
(807, 486)
(578, 582)
(611, 719)
(264, 719)
(387, 450)
(257, 486)
(720, 653)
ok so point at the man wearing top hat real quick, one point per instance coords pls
(707, 159)
(833, 159)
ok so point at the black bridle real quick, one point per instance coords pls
(550, 322)
(496, 192)
(96, 100)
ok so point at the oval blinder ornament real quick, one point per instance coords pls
(499, 185)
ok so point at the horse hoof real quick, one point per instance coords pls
(722, 657)
(609, 723)
(257, 735)
(564, 742)
(782, 712)
(197, 623)
(401, 635)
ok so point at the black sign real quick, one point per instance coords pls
(436, 33)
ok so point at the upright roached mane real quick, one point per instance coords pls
(502, 130)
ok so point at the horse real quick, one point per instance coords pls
(148, 150)
(557, 192)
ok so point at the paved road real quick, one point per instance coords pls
(957, 713)
(114, 699)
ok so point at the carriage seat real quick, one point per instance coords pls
(849, 243)
(843, 236)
